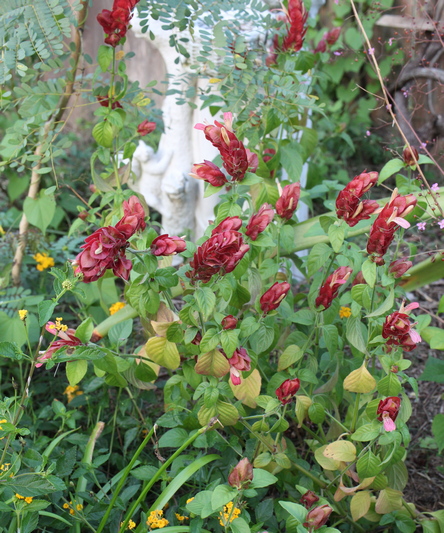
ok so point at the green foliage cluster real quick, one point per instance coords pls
(126, 414)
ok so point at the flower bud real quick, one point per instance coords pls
(410, 156)
(332, 36)
(242, 474)
(399, 267)
(308, 499)
(287, 390)
(272, 298)
(259, 222)
(209, 172)
(83, 215)
(318, 517)
(229, 322)
(387, 412)
(166, 245)
(329, 291)
(288, 201)
(146, 127)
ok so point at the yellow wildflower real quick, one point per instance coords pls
(59, 326)
(190, 500)
(3, 421)
(344, 312)
(131, 525)
(28, 499)
(23, 313)
(72, 392)
(116, 307)
(156, 520)
(43, 261)
(66, 506)
(79, 507)
(229, 514)
(19, 497)
(181, 518)
(2, 232)
(5, 467)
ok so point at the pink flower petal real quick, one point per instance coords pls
(388, 423)
(402, 222)
(415, 336)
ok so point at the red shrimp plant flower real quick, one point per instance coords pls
(387, 412)
(330, 289)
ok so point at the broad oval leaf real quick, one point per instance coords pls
(212, 363)
(340, 450)
(360, 380)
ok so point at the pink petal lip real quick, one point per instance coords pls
(388, 423)
(415, 336)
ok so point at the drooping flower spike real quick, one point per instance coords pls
(349, 205)
(330, 289)
(398, 331)
(389, 220)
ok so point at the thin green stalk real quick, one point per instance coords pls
(355, 413)
(122, 481)
(87, 461)
(156, 477)
(337, 422)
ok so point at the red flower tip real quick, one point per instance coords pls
(272, 298)
(287, 390)
(146, 127)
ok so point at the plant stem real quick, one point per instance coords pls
(355, 413)
(126, 473)
(156, 477)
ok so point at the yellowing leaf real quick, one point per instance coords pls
(163, 352)
(289, 356)
(205, 414)
(388, 500)
(360, 504)
(326, 463)
(302, 405)
(360, 380)
(227, 413)
(340, 450)
(212, 364)
(249, 389)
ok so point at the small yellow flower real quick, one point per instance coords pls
(131, 525)
(344, 312)
(23, 313)
(79, 507)
(43, 261)
(66, 506)
(5, 467)
(120, 55)
(116, 307)
(229, 514)
(3, 421)
(19, 497)
(2, 232)
(58, 325)
(28, 499)
(190, 500)
(72, 392)
(156, 520)
(181, 518)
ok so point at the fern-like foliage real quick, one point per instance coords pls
(32, 28)
(15, 298)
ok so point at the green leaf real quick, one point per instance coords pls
(87, 353)
(104, 57)
(212, 363)
(75, 371)
(35, 485)
(206, 300)
(229, 340)
(40, 211)
(85, 330)
(222, 494)
(369, 272)
(367, 432)
(262, 339)
(354, 334)
(297, 511)
(103, 133)
(385, 307)
(438, 431)
(46, 309)
(238, 525)
(180, 479)
(390, 385)
(433, 371)
(11, 350)
(360, 504)
(144, 473)
(174, 438)
(289, 356)
(388, 500)
(390, 168)
(291, 160)
(435, 337)
(336, 234)
(262, 478)
(318, 257)
(368, 465)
